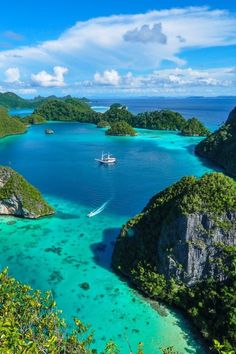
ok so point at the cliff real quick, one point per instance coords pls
(180, 248)
(220, 147)
(19, 198)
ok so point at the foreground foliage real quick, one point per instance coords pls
(31, 323)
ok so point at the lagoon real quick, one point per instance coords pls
(60, 253)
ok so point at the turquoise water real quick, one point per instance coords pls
(63, 251)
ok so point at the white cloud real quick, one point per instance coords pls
(146, 34)
(12, 75)
(45, 79)
(107, 78)
(100, 42)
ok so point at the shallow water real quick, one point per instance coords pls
(64, 251)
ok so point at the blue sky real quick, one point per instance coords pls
(118, 48)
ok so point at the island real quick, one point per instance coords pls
(78, 110)
(10, 125)
(121, 128)
(181, 249)
(169, 120)
(103, 124)
(19, 198)
(220, 147)
(70, 109)
(193, 127)
(33, 119)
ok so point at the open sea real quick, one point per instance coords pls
(61, 252)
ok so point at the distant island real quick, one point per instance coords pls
(181, 249)
(73, 109)
(121, 128)
(10, 100)
(19, 198)
(220, 147)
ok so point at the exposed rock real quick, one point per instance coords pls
(179, 231)
(19, 198)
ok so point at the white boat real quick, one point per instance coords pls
(106, 159)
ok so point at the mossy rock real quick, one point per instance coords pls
(20, 198)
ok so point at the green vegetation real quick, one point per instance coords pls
(220, 146)
(169, 120)
(31, 323)
(103, 124)
(10, 125)
(155, 249)
(160, 120)
(10, 100)
(14, 187)
(75, 109)
(71, 109)
(116, 113)
(33, 119)
(193, 127)
(121, 128)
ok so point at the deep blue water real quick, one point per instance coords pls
(63, 167)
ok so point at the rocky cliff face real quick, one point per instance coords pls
(220, 146)
(180, 232)
(19, 198)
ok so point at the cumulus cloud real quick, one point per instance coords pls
(12, 75)
(146, 34)
(169, 81)
(45, 79)
(102, 41)
(107, 78)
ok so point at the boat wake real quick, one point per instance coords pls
(98, 210)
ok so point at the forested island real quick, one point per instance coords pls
(20, 198)
(73, 109)
(121, 128)
(10, 125)
(220, 147)
(181, 249)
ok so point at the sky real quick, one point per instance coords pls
(118, 48)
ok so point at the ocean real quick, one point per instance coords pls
(61, 252)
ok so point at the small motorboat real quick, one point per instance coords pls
(106, 159)
(49, 131)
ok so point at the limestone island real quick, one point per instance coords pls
(121, 128)
(19, 198)
(220, 147)
(74, 109)
(181, 249)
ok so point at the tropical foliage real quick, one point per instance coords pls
(220, 146)
(121, 128)
(10, 125)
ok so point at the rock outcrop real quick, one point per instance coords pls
(19, 198)
(179, 231)
(182, 249)
(220, 147)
